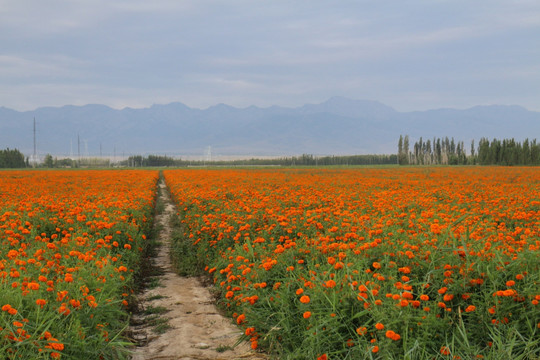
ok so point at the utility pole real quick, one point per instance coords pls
(35, 146)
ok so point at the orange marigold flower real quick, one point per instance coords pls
(448, 297)
(57, 346)
(240, 319)
(361, 330)
(445, 350)
(305, 299)
(330, 283)
(379, 326)
(33, 286)
(441, 305)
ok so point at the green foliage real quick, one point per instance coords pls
(48, 162)
(508, 152)
(11, 159)
(446, 151)
(302, 160)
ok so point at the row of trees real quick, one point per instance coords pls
(433, 152)
(50, 162)
(303, 160)
(150, 160)
(436, 151)
(12, 159)
(445, 151)
(508, 152)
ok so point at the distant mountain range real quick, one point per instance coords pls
(338, 126)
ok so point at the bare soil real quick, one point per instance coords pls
(197, 329)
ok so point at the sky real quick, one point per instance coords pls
(408, 54)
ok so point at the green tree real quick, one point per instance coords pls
(48, 161)
(11, 159)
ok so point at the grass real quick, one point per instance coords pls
(153, 283)
(223, 348)
(184, 255)
(151, 310)
(159, 324)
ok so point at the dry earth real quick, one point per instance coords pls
(197, 329)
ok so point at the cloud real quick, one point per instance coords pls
(140, 52)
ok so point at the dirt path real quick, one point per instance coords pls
(197, 330)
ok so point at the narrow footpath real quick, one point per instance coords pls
(191, 325)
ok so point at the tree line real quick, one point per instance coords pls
(12, 158)
(436, 151)
(447, 151)
(303, 160)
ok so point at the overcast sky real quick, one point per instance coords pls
(411, 55)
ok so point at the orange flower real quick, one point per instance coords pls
(379, 326)
(448, 297)
(307, 314)
(361, 330)
(330, 283)
(240, 319)
(305, 299)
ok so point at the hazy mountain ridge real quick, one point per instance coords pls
(336, 126)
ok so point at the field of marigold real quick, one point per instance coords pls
(70, 242)
(367, 263)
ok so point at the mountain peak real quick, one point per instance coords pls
(350, 108)
(337, 126)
